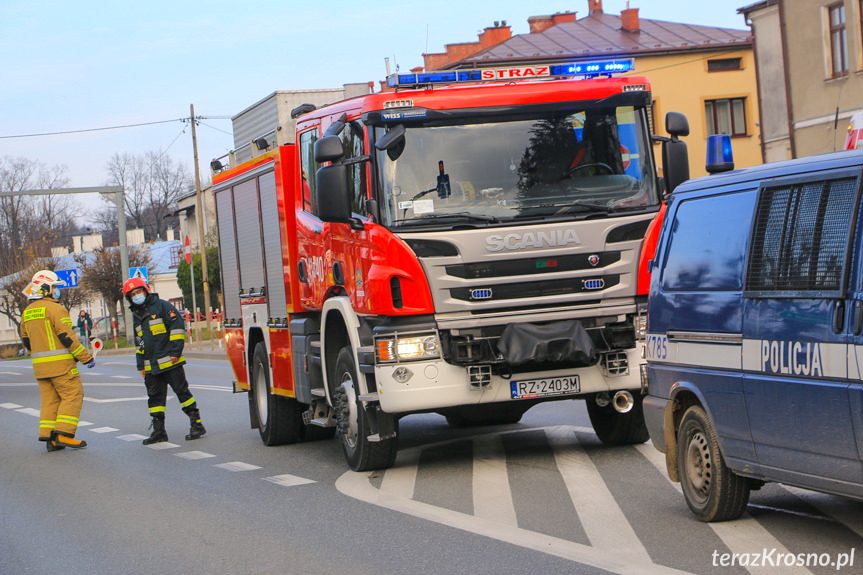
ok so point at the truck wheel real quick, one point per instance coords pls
(495, 414)
(712, 491)
(615, 428)
(353, 426)
(279, 418)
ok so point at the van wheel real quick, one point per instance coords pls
(353, 426)
(615, 428)
(279, 418)
(712, 491)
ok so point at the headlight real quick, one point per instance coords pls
(407, 348)
(640, 321)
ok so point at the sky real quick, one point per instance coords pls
(71, 69)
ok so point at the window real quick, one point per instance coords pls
(723, 64)
(727, 116)
(838, 40)
(175, 256)
(705, 253)
(354, 145)
(800, 236)
(309, 168)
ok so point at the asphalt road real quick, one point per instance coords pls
(542, 496)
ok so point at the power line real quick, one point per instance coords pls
(66, 132)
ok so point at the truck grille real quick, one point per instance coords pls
(538, 289)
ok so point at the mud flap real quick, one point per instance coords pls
(382, 425)
(561, 341)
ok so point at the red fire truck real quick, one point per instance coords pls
(454, 245)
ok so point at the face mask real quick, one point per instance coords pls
(139, 298)
(55, 293)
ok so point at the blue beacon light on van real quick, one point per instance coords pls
(719, 155)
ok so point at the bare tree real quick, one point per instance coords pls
(152, 183)
(31, 225)
(105, 275)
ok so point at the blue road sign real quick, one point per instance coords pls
(70, 277)
(138, 273)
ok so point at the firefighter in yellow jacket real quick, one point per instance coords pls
(46, 330)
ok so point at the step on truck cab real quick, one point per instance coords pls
(454, 245)
(755, 333)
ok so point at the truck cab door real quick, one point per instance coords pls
(312, 233)
(796, 337)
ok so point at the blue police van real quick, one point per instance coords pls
(755, 333)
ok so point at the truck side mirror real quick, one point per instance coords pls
(676, 124)
(675, 156)
(334, 204)
(328, 149)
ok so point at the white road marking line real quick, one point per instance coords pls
(29, 411)
(132, 437)
(399, 480)
(192, 455)
(113, 384)
(10, 373)
(357, 485)
(163, 445)
(212, 387)
(10, 406)
(744, 535)
(84, 423)
(104, 429)
(603, 520)
(122, 376)
(237, 466)
(842, 510)
(114, 400)
(288, 480)
(492, 496)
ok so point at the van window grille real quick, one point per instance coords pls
(800, 237)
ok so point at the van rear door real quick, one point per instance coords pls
(796, 330)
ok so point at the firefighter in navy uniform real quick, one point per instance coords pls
(46, 330)
(160, 335)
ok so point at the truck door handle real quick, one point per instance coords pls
(839, 317)
(857, 318)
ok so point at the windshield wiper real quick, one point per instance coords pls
(440, 216)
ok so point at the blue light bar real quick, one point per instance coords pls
(593, 68)
(447, 77)
(588, 68)
(719, 155)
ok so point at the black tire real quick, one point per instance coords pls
(353, 429)
(614, 428)
(279, 418)
(491, 414)
(712, 491)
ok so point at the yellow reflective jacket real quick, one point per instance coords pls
(46, 329)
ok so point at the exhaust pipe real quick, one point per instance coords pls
(623, 402)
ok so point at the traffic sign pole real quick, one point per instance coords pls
(194, 315)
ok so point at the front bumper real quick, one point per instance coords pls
(436, 384)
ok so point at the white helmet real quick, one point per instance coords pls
(44, 280)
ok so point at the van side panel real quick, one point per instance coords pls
(697, 303)
(796, 330)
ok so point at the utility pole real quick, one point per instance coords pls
(205, 279)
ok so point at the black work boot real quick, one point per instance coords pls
(159, 434)
(61, 439)
(197, 428)
(50, 445)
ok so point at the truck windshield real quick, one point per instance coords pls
(565, 165)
